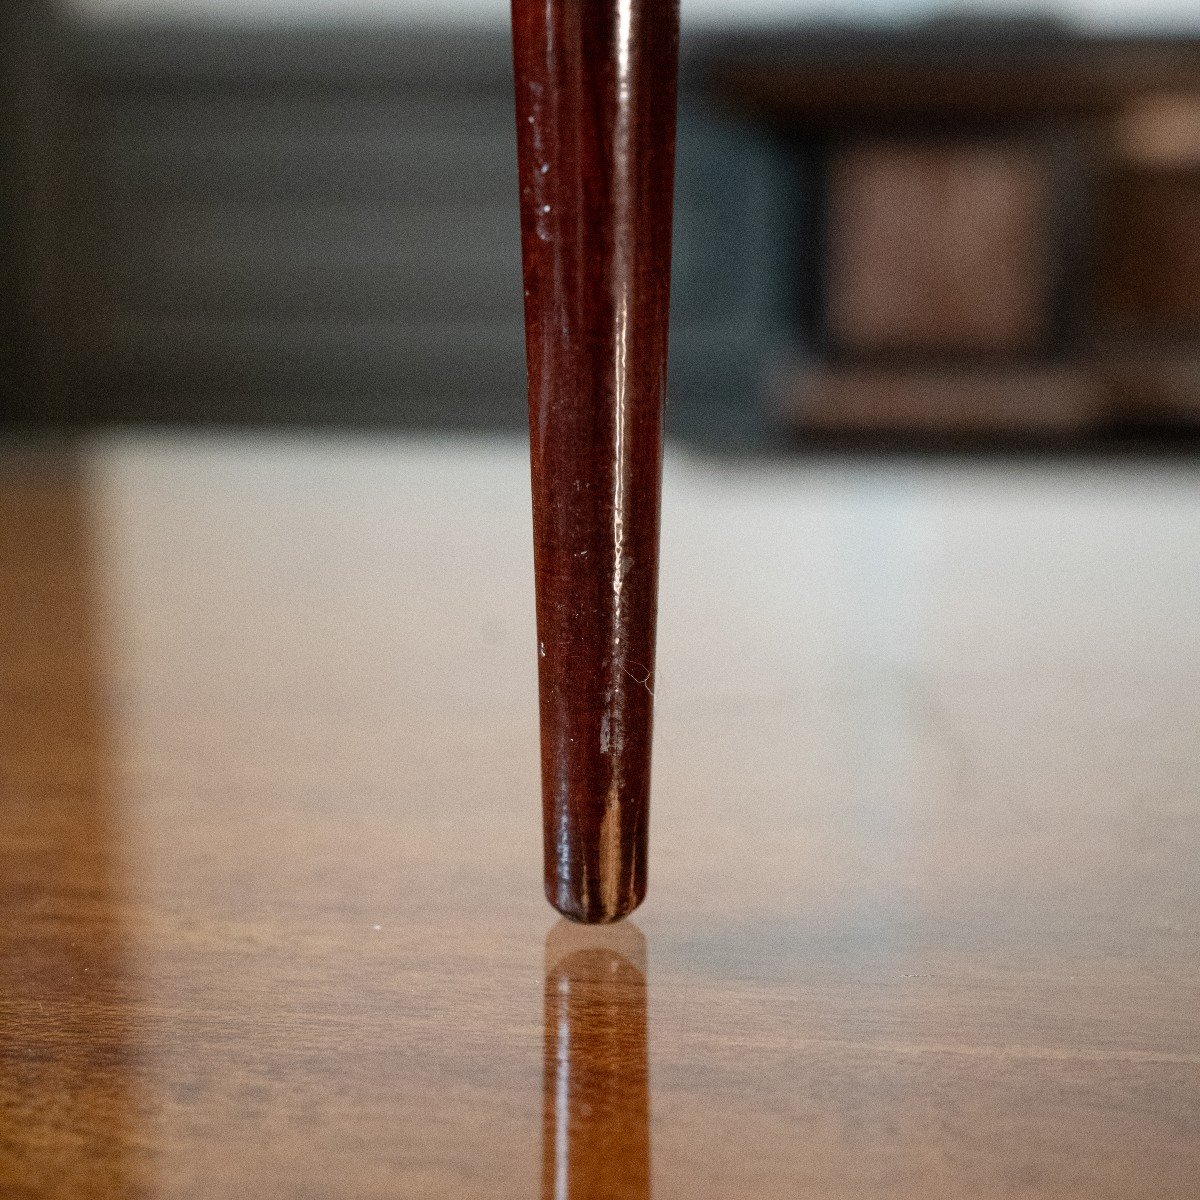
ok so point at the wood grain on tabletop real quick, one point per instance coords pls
(924, 915)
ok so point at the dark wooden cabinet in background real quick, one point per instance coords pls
(1008, 230)
(1148, 251)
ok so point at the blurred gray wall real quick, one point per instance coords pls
(306, 224)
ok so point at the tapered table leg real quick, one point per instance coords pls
(595, 92)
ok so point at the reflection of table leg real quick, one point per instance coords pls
(75, 1121)
(595, 89)
(596, 1097)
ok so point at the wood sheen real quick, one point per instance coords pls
(595, 103)
(926, 913)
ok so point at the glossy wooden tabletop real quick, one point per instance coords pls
(924, 906)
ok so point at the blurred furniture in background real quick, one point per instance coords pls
(1008, 227)
(954, 229)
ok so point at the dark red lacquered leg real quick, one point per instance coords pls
(595, 88)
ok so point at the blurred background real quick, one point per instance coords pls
(895, 221)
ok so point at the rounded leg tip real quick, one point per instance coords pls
(584, 910)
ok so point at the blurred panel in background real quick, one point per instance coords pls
(305, 214)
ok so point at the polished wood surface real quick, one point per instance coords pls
(595, 1088)
(595, 103)
(926, 913)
